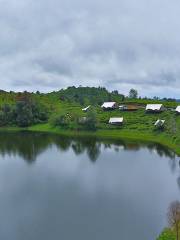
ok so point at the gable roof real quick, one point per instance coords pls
(108, 104)
(154, 107)
(116, 120)
(86, 108)
(178, 109)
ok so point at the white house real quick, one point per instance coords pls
(116, 120)
(155, 108)
(109, 105)
(159, 123)
(178, 109)
(86, 108)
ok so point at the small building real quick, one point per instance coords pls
(109, 105)
(155, 108)
(86, 108)
(123, 107)
(159, 123)
(129, 107)
(178, 109)
(116, 120)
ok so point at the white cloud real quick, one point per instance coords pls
(120, 44)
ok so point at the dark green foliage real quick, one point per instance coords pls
(133, 93)
(88, 95)
(167, 234)
(75, 121)
(62, 120)
(91, 122)
(23, 113)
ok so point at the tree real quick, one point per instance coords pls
(174, 217)
(115, 92)
(62, 120)
(91, 121)
(24, 114)
(133, 93)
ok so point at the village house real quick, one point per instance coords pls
(116, 120)
(109, 105)
(86, 108)
(155, 108)
(178, 109)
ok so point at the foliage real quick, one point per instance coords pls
(23, 113)
(167, 234)
(133, 93)
(75, 121)
(91, 122)
(88, 95)
(62, 120)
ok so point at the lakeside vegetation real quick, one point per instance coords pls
(173, 217)
(61, 112)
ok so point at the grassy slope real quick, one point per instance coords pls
(137, 125)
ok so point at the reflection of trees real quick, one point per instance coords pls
(161, 150)
(78, 147)
(30, 145)
(90, 145)
(93, 151)
(26, 145)
(135, 146)
(62, 143)
(178, 182)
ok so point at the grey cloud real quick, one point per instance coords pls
(118, 44)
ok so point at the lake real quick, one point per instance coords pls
(53, 188)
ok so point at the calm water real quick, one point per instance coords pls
(54, 188)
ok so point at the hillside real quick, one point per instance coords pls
(61, 111)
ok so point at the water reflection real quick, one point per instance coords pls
(30, 145)
(81, 187)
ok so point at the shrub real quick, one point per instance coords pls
(62, 120)
(167, 234)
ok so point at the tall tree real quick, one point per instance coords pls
(133, 93)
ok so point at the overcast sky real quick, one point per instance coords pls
(50, 44)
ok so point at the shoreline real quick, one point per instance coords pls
(102, 134)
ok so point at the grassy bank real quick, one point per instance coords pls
(113, 134)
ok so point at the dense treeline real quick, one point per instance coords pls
(89, 95)
(24, 112)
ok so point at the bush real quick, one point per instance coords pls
(167, 234)
(23, 114)
(62, 120)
